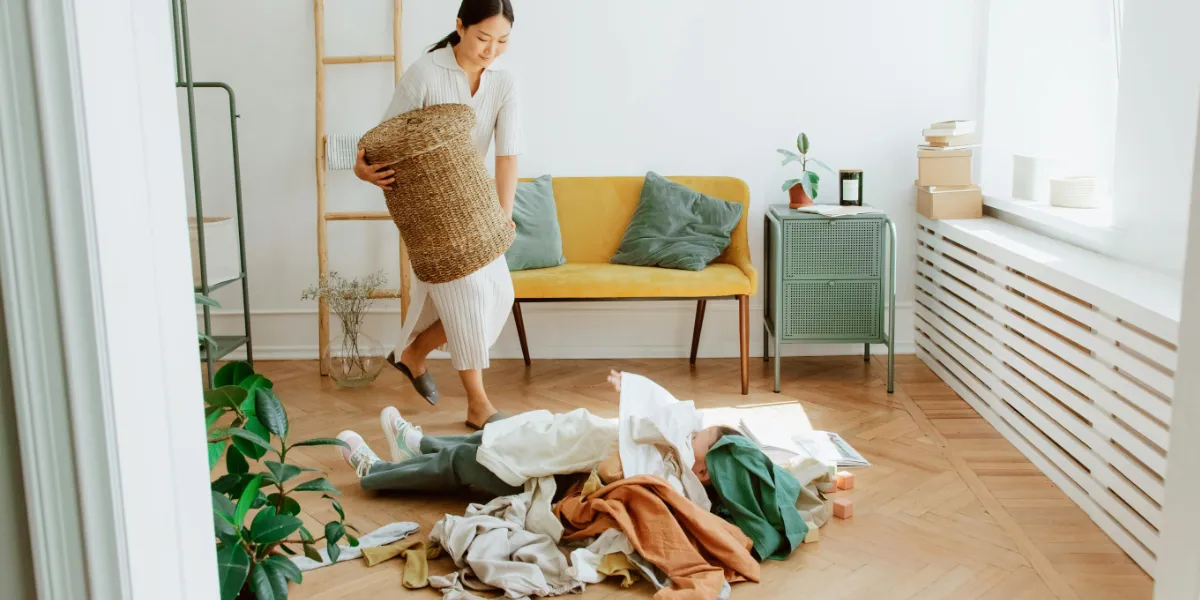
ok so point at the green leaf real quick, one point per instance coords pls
(223, 504)
(789, 156)
(820, 164)
(229, 396)
(269, 527)
(789, 184)
(261, 499)
(322, 442)
(809, 188)
(226, 484)
(312, 553)
(305, 536)
(255, 382)
(802, 143)
(290, 505)
(246, 499)
(232, 373)
(319, 484)
(236, 463)
(206, 339)
(223, 511)
(283, 472)
(211, 416)
(266, 583)
(338, 507)
(206, 301)
(286, 549)
(352, 528)
(270, 411)
(214, 453)
(233, 564)
(353, 540)
(289, 568)
(333, 532)
(251, 439)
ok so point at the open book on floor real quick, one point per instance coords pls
(824, 446)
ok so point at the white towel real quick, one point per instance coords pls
(341, 151)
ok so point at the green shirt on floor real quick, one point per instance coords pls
(757, 495)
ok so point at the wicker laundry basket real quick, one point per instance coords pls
(443, 200)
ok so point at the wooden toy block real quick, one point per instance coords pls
(845, 480)
(814, 533)
(843, 508)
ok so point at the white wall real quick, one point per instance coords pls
(1156, 131)
(610, 88)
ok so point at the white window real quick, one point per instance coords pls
(1050, 98)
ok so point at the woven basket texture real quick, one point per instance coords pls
(443, 200)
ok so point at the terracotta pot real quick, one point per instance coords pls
(799, 197)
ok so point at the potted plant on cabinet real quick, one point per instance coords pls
(804, 189)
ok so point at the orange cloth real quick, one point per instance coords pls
(698, 550)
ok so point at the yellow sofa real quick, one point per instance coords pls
(593, 213)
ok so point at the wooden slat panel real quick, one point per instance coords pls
(1072, 356)
(353, 60)
(1162, 382)
(1078, 378)
(1051, 419)
(358, 216)
(955, 374)
(1101, 421)
(1150, 347)
(383, 294)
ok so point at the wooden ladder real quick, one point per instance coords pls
(324, 217)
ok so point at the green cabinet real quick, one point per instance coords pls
(829, 280)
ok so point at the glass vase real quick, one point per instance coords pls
(354, 360)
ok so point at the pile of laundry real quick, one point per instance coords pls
(689, 509)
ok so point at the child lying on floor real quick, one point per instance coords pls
(662, 437)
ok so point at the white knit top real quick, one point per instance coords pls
(437, 78)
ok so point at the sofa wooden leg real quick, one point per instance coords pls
(520, 321)
(744, 331)
(700, 306)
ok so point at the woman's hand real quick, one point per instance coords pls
(377, 174)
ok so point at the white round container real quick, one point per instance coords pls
(1074, 192)
(1031, 177)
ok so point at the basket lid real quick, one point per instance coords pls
(416, 132)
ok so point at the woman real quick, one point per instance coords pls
(464, 316)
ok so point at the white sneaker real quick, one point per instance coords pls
(404, 438)
(359, 455)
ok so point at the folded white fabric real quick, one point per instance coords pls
(585, 562)
(655, 432)
(492, 550)
(540, 444)
(384, 535)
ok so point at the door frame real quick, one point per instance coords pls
(99, 323)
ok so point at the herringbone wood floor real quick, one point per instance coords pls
(949, 509)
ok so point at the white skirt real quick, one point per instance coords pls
(473, 310)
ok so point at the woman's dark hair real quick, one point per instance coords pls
(473, 12)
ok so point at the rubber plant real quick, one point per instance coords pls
(247, 422)
(809, 180)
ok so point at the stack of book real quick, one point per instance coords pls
(945, 187)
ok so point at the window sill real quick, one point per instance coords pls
(1086, 227)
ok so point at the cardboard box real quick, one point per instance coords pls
(956, 202)
(943, 167)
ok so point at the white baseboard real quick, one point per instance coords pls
(608, 330)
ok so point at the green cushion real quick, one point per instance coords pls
(676, 228)
(539, 241)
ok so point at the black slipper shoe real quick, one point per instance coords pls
(425, 385)
(499, 416)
